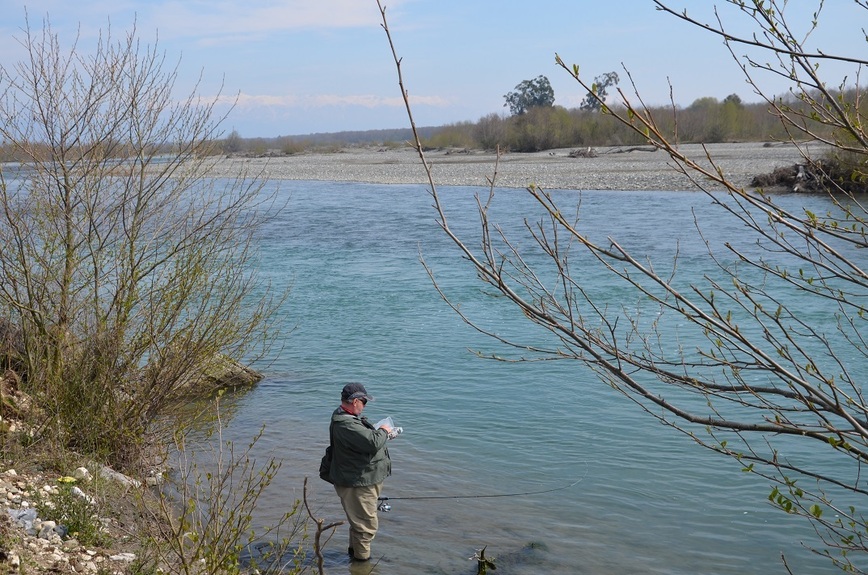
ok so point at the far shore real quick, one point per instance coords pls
(610, 168)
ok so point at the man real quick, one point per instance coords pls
(360, 464)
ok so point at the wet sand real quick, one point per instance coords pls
(613, 168)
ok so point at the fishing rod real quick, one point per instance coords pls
(385, 507)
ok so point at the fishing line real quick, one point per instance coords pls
(385, 507)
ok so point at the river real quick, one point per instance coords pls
(625, 494)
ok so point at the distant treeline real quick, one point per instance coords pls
(707, 120)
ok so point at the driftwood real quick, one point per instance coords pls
(635, 149)
(818, 176)
(583, 153)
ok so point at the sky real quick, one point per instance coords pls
(295, 67)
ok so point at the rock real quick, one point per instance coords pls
(222, 372)
(154, 479)
(124, 557)
(39, 545)
(125, 480)
(23, 517)
(82, 474)
(45, 529)
(81, 494)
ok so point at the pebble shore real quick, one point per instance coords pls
(32, 545)
(612, 168)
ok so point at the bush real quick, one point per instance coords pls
(125, 267)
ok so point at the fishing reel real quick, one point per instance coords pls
(383, 506)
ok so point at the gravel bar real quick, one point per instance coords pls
(613, 168)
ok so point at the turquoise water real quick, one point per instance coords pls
(362, 308)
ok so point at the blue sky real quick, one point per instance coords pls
(305, 66)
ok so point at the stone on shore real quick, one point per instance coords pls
(608, 168)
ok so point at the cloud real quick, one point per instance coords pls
(371, 101)
(232, 20)
(210, 21)
(248, 101)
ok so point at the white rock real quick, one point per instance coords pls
(82, 495)
(82, 474)
(126, 557)
(154, 480)
(45, 529)
(110, 473)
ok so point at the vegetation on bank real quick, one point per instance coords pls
(127, 281)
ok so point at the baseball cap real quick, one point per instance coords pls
(353, 391)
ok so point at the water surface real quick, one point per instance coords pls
(362, 308)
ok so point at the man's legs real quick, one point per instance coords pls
(360, 505)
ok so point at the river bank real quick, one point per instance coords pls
(29, 544)
(608, 168)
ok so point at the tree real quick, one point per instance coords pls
(772, 387)
(233, 143)
(599, 91)
(734, 100)
(125, 268)
(490, 131)
(539, 129)
(530, 94)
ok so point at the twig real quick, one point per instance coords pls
(320, 529)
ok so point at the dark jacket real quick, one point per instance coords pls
(359, 454)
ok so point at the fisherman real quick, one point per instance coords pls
(360, 464)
